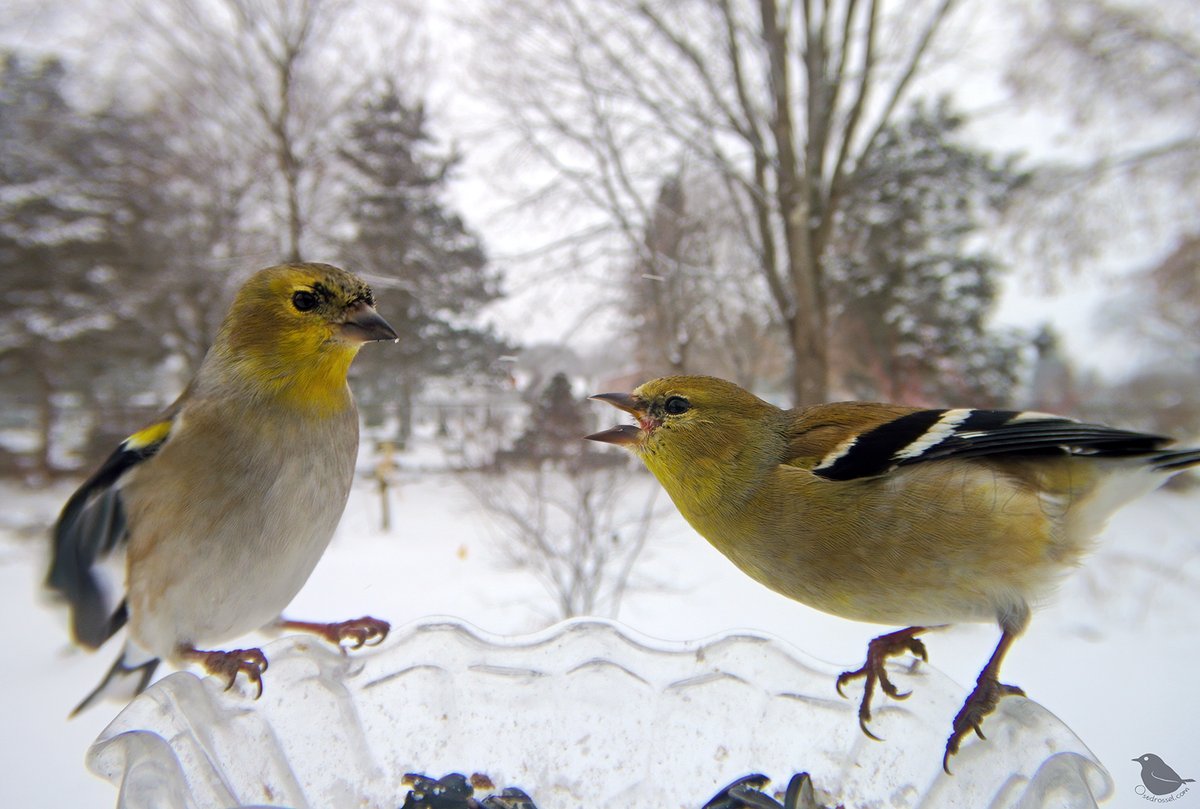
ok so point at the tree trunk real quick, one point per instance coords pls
(289, 165)
(809, 342)
(807, 316)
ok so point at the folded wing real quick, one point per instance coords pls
(90, 528)
(901, 437)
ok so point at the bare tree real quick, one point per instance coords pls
(244, 103)
(249, 76)
(1124, 80)
(1173, 289)
(564, 508)
(572, 527)
(1164, 301)
(783, 101)
(1128, 77)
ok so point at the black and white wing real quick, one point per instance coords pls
(918, 436)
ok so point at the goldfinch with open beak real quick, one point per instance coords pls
(890, 514)
(223, 506)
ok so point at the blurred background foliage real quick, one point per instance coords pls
(818, 201)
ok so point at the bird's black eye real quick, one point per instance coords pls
(676, 405)
(304, 301)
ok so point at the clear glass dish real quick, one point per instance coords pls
(583, 715)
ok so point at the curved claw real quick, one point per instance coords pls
(229, 664)
(873, 671)
(360, 632)
(352, 634)
(982, 702)
(888, 688)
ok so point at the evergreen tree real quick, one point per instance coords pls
(688, 303)
(556, 425)
(661, 295)
(63, 245)
(432, 271)
(911, 299)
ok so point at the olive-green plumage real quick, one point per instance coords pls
(885, 513)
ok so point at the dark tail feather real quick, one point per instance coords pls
(89, 624)
(1176, 460)
(117, 681)
(86, 532)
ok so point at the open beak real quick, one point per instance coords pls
(623, 434)
(364, 325)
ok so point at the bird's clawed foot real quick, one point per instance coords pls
(983, 700)
(878, 651)
(228, 664)
(354, 634)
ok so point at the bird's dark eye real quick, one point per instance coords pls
(304, 301)
(676, 405)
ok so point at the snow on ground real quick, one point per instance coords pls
(1115, 656)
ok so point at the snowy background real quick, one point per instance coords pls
(1114, 656)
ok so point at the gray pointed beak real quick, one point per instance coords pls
(364, 325)
(621, 401)
(623, 434)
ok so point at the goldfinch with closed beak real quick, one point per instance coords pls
(891, 514)
(223, 506)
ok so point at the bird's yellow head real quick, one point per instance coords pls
(294, 329)
(697, 433)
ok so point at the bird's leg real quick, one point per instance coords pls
(878, 651)
(251, 662)
(983, 700)
(355, 633)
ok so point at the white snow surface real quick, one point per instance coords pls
(1114, 655)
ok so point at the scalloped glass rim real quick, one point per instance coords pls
(587, 713)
